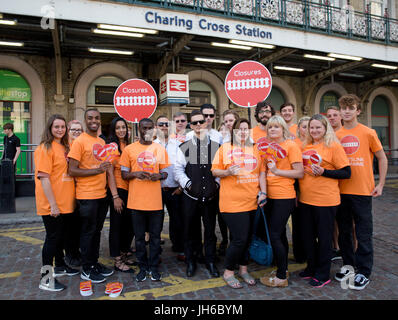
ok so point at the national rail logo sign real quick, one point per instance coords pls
(248, 83)
(350, 144)
(135, 99)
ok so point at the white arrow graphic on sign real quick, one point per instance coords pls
(177, 85)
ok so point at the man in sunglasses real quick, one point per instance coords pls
(180, 124)
(209, 113)
(200, 190)
(171, 191)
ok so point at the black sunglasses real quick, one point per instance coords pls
(182, 121)
(163, 124)
(207, 115)
(197, 122)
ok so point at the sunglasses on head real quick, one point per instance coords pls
(197, 122)
(182, 121)
(163, 124)
(207, 115)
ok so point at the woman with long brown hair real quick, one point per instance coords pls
(55, 196)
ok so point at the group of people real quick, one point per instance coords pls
(319, 171)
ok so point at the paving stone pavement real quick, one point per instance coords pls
(20, 262)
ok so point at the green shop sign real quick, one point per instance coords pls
(13, 87)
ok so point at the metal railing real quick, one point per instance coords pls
(25, 165)
(305, 15)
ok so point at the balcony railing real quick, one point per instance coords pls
(305, 15)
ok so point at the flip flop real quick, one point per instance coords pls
(232, 282)
(248, 279)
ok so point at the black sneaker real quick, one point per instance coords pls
(65, 270)
(73, 262)
(318, 284)
(141, 276)
(305, 274)
(344, 274)
(336, 255)
(56, 286)
(360, 282)
(106, 272)
(93, 275)
(155, 275)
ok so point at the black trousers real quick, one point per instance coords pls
(92, 215)
(193, 211)
(121, 231)
(277, 212)
(72, 234)
(173, 204)
(240, 225)
(297, 236)
(317, 229)
(358, 208)
(54, 242)
(152, 222)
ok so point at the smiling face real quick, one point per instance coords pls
(287, 113)
(120, 130)
(242, 133)
(58, 129)
(146, 130)
(93, 121)
(75, 131)
(264, 114)
(349, 113)
(198, 124)
(334, 118)
(303, 129)
(275, 132)
(317, 130)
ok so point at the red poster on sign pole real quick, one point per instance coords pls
(248, 83)
(135, 99)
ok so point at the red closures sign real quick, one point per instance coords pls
(135, 99)
(245, 161)
(248, 83)
(146, 160)
(350, 144)
(271, 150)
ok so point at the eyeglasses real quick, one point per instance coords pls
(194, 123)
(75, 130)
(182, 121)
(264, 111)
(207, 115)
(163, 124)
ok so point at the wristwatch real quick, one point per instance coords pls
(261, 193)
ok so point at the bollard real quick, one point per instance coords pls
(7, 187)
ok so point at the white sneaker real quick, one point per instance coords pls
(345, 273)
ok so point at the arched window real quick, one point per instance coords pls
(330, 98)
(15, 107)
(381, 120)
(276, 98)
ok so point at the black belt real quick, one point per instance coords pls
(169, 189)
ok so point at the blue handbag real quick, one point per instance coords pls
(259, 250)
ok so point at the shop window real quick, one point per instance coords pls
(381, 120)
(329, 99)
(15, 107)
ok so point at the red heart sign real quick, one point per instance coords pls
(271, 150)
(107, 152)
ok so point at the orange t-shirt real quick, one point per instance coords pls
(322, 191)
(280, 187)
(299, 143)
(293, 131)
(239, 193)
(257, 133)
(359, 143)
(54, 163)
(144, 194)
(92, 187)
(120, 183)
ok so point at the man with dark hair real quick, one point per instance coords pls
(142, 164)
(262, 113)
(334, 117)
(200, 189)
(209, 113)
(12, 144)
(287, 111)
(91, 176)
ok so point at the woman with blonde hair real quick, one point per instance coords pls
(325, 162)
(302, 131)
(75, 128)
(284, 163)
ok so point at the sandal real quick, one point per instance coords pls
(121, 266)
(248, 279)
(232, 282)
(128, 259)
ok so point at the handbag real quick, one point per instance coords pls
(259, 250)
